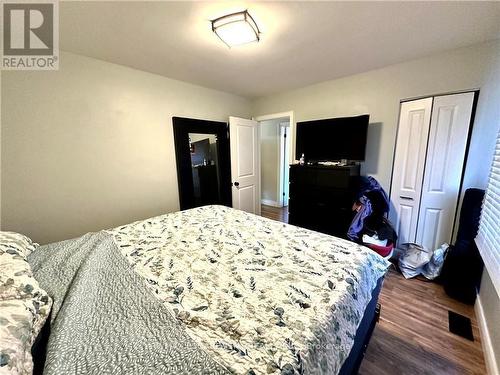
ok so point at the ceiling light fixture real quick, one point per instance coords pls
(236, 29)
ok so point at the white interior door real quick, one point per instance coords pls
(245, 164)
(451, 115)
(408, 168)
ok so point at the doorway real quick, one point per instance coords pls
(276, 139)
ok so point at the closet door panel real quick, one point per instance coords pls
(403, 226)
(408, 168)
(431, 218)
(444, 165)
(417, 135)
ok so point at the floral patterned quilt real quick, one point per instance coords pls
(260, 296)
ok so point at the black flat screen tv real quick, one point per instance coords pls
(332, 139)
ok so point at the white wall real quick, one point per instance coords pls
(379, 92)
(486, 125)
(91, 146)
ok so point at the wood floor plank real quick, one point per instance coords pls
(275, 213)
(412, 336)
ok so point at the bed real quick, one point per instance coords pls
(211, 290)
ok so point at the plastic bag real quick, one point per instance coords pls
(413, 259)
(432, 269)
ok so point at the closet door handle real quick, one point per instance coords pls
(407, 198)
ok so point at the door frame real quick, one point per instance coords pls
(290, 144)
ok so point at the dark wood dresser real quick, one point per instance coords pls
(321, 197)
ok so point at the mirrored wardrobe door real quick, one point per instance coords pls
(203, 165)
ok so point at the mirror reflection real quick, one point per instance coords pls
(204, 167)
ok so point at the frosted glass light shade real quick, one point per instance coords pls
(236, 29)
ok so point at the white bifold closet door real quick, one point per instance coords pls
(428, 165)
(449, 130)
(408, 169)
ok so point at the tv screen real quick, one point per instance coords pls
(332, 139)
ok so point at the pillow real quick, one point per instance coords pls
(16, 278)
(13, 243)
(24, 306)
(16, 325)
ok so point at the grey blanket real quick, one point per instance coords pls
(105, 319)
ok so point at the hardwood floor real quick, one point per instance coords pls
(412, 336)
(275, 213)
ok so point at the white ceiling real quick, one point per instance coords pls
(302, 42)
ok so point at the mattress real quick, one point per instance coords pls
(259, 296)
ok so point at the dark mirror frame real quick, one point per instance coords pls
(182, 127)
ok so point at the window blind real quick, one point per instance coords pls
(488, 238)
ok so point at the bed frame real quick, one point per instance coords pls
(363, 334)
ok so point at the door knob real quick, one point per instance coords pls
(236, 184)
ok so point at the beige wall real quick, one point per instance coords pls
(195, 137)
(91, 146)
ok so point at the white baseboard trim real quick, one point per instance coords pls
(269, 202)
(489, 354)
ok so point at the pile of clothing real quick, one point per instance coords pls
(416, 260)
(370, 225)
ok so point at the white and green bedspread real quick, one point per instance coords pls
(259, 296)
